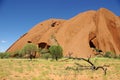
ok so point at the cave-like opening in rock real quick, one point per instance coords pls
(91, 44)
(29, 41)
(53, 24)
(43, 45)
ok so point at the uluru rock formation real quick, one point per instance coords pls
(78, 35)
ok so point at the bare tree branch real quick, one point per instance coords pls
(93, 67)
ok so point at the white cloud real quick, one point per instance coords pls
(3, 41)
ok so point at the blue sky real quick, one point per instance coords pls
(19, 16)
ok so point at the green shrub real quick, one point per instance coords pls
(56, 52)
(1, 55)
(46, 55)
(29, 49)
(16, 54)
(4, 55)
(110, 54)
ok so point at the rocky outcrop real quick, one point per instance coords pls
(78, 35)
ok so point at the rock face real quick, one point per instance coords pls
(78, 35)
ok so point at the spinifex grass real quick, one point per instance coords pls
(40, 69)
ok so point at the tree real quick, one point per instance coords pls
(30, 49)
(91, 65)
(56, 51)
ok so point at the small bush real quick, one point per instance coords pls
(46, 56)
(117, 56)
(110, 54)
(4, 55)
(16, 54)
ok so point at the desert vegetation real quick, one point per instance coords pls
(50, 64)
(56, 52)
(41, 69)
